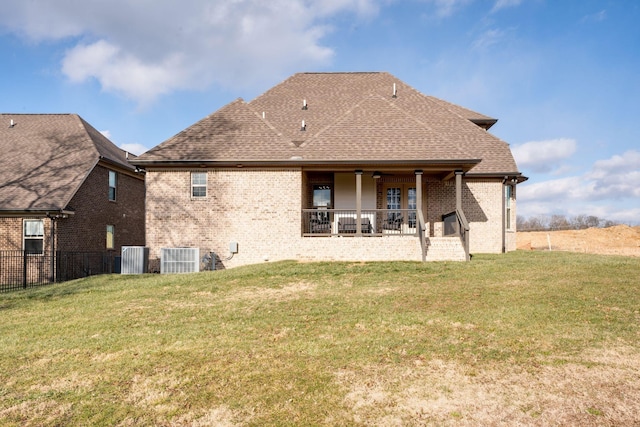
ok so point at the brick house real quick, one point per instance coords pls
(65, 187)
(333, 166)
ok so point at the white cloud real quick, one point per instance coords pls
(543, 156)
(617, 176)
(363, 8)
(489, 38)
(501, 4)
(596, 17)
(134, 148)
(613, 178)
(118, 71)
(609, 190)
(445, 8)
(143, 52)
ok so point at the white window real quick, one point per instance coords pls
(33, 236)
(111, 232)
(113, 183)
(198, 184)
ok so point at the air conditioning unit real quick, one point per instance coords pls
(179, 260)
(135, 260)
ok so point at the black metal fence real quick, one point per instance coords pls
(22, 270)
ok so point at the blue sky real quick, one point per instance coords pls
(562, 76)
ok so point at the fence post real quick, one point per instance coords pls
(24, 269)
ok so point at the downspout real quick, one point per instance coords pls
(52, 244)
(53, 217)
(504, 216)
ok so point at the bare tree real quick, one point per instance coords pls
(561, 222)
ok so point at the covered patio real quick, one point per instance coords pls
(384, 202)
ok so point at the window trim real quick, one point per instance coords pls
(508, 195)
(199, 185)
(34, 237)
(113, 188)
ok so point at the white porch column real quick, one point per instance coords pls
(358, 203)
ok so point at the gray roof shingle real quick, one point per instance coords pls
(349, 117)
(44, 158)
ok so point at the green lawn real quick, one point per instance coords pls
(537, 337)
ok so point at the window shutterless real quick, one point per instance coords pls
(33, 236)
(113, 183)
(111, 232)
(198, 184)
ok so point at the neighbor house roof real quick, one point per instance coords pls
(45, 158)
(318, 118)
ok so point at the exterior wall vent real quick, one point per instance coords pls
(135, 260)
(179, 260)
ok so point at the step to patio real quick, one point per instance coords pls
(445, 249)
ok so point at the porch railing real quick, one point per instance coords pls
(380, 222)
(373, 222)
(455, 224)
(422, 235)
(463, 229)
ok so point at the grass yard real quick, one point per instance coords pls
(533, 338)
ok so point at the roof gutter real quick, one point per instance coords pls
(49, 213)
(298, 162)
(516, 177)
(119, 164)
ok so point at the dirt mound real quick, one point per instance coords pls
(617, 240)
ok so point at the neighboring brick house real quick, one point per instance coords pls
(65, 187)
(325, 166)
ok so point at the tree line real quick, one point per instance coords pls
(561, 222)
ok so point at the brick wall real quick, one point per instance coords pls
(11, 233)
(86, 229)
(261, 211)
(258, 209)
(482, 204)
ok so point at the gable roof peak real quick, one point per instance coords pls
(46, 157)
(346, 116)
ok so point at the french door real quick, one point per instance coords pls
(401, 205)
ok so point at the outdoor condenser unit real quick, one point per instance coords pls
(179, 260)
(135, 260)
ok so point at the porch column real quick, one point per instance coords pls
(418, 189)
(358, 203)
(459, 190)
(458, 196)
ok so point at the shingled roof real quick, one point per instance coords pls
(332, 118)
(45, 158)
